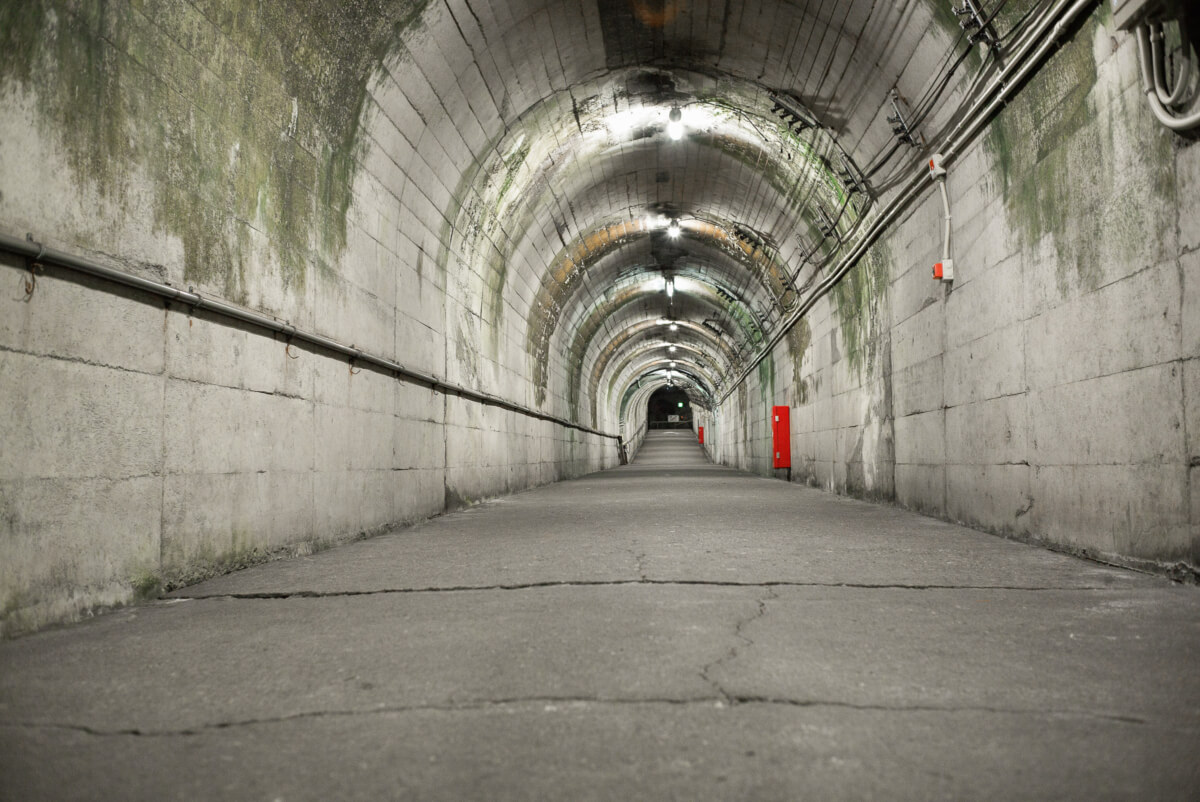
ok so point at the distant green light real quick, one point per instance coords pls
(681, 404)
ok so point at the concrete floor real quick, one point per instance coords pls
(667, 630)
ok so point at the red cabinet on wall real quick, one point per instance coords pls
(781, 437)
(701, 429)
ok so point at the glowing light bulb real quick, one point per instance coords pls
(672, 349)
(675, 125)
(674, 230)
(670, 288)
(674, 327)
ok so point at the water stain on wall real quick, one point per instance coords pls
(1063, 149)
(245, 116)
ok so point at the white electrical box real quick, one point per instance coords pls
(936, 170)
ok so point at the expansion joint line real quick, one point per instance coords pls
(583, 583)
(555, 705)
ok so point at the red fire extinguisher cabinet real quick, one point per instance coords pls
(781, 437)
(701, 429)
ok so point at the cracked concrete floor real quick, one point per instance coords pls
(670, 629)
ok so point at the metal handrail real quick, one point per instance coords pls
(194, 300)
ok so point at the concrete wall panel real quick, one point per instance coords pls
(1113, 509)
(104, 329)
(992, 497)
(992, 432)
(918, 388)
(1143, 328)
(51, 573)
(921, 487)
(1129, 418)
(68, 418)
(990, 366)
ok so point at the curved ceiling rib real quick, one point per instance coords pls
(655, 368)
(555, 242)
(640, 388)
(700, 348)
(637, 305)
(739, 182)
(710, 286)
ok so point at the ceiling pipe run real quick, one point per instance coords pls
(1032, 50)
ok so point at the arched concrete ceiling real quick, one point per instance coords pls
(554, 234)
(655, 377)
(637, 344)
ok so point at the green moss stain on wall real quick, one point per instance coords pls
(489, 204)
(1006, 16)
(856, 304)
(799, 338)
(79, 75)
(1075, 163)
(741, 412)
(512, 165)
(245, 117)
(766, 381)
(945, 18)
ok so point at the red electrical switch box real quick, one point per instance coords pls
(781, 437)
(701, 430)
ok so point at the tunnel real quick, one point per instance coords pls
(723, 336)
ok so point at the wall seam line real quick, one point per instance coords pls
(162, 442)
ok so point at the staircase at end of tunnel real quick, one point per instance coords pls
(671, 448)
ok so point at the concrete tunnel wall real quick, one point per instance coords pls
(238, 151)
(1053, 392)
(414, 178)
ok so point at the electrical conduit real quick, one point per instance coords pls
(1033, 49)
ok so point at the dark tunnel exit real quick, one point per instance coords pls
(669, 408)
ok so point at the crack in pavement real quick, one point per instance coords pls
(584, 583)
(732, 653)
(639, 560)
(746, 699)
(721, 701)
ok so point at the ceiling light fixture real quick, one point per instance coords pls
(675, 126)
(671, 287)
(674, 229)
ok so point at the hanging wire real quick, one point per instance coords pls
(937, 87)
